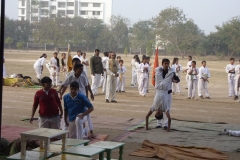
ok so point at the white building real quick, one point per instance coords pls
(34, 10)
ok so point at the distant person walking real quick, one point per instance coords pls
(85, 63)
(96, 71)
(104, 77)
(230, 69)
(38, 66)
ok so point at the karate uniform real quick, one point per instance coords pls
(176, 86)
(231, 80)
(134, 74)
(237, 76)
(38, 67)
(143, 79)
(149, 70)
(203, 85)
(189, 64)
(103, 82)
(112, 67)
(192, 82)
(122, 78)
(163, 99)
(54, 71)
(79, 57)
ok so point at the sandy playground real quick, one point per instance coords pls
(195, 122)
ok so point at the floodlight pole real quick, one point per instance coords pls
(1, 60)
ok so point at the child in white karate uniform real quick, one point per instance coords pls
(230, 69)
(149, 70)
(55, 68)
(122, 77)
(204, 74)
(85, 63)
(143, 77)
(189, 64)
(38, 66)
(177, 68)
(237, 79)
(193, 79)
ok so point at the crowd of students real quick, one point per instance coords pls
(109, 72)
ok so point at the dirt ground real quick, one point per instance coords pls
(131, 109)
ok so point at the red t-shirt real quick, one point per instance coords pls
(48, 103)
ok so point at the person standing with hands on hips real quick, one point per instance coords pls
(96, 71)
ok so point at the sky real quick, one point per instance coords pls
(205, 13)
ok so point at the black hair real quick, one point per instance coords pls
(118, 57)
(79, 51)
(144, 57)
(75, 60)
(135, 56)
(190, 57)
(121, 61)
(203, 62)
(62, 60)
(137, 59)
(97, 50)
(165, 60)
(46, 80)
(84, 53)
(232, 59)
(74, 85)
(174, 60)
(194, 62)
(78, 65)
(57, 59)
(159, 117)
(43, 55)
(148, 57)
(105, 54)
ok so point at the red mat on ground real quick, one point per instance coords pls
(12, 132)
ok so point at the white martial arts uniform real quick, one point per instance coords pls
(122, 78)
(134, 74)
(103, 82)
(163, 99)
(79, 57)
(231, 80)
(4, 70)
(54, 71)
(237, 76)
(189, 64)
(234, 133)
(149, 71)
(204, 73)
(176, 86)
(38, 67)
(85, 69)
(143, 79)
(111, 79)
(64, 68)
(192, 82)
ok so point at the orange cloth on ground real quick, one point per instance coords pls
(171, 152)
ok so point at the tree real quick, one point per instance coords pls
(20, 45)
(9, 41)
(126, 51)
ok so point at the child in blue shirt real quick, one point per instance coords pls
(77, 108)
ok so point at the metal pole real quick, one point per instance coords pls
(1, 59)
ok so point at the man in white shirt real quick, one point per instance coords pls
(79, 55)
(230, 69)
(134, 75)
(204, 74)
(189, 64)
(112, 67)
(104, 77)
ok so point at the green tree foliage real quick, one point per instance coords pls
(9, 41)
(20, 45)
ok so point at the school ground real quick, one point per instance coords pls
(195, 122)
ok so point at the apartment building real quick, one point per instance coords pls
(34, 10)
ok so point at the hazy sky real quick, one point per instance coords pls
(205, 13)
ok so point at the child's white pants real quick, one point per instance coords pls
(176, 87)
(55, 76)
(134, 76)
(192, 88)
(38, 70)
(231, 85)
(104, 82)
(236, 84)
(234, 133)
(121, 84)
(202, 85)
(95, 83)
(163, 122)
(143, 86)
(76, 130)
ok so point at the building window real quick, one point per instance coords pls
(70, 3)
(44, 12)
(96, 4)
(34, 2)
(53, 7)
(61, 13)
(23, 11)
(44, 4)
(70, 12)
(34, 19)
(34, 10)
(61, 4)
(23, 2)
(96, 13)
(84, 13)
(84, 4)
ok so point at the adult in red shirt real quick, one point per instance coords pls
(49, 106)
